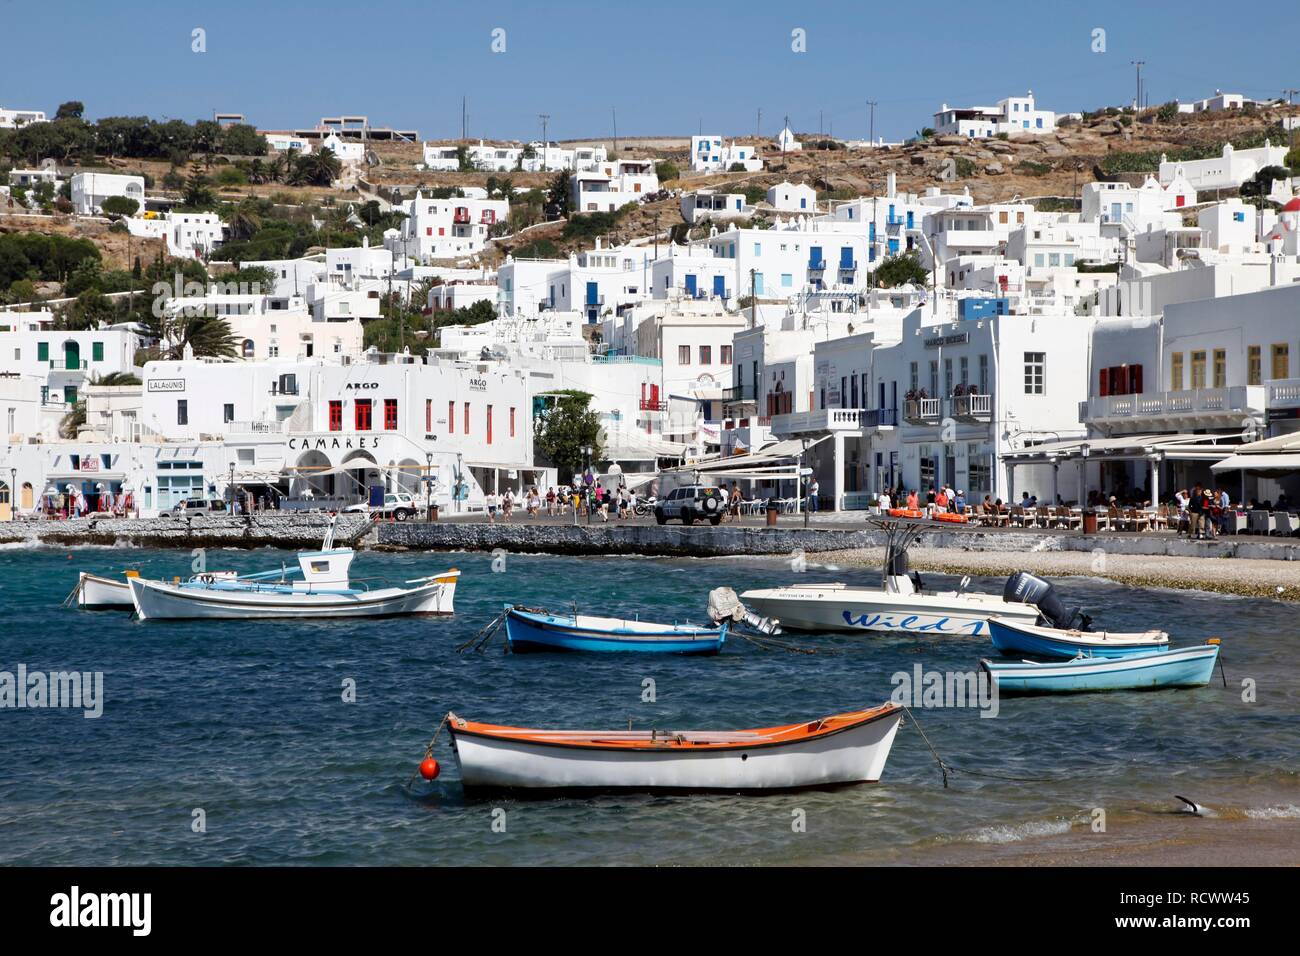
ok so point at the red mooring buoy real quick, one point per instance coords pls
(429, 768)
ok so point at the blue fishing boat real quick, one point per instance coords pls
(1016, 637)
(1183, 667)
(536, 630)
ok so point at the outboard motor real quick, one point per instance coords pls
(896, 563)
(1025, 588)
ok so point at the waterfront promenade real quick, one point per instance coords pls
(1251, 565)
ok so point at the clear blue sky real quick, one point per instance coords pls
(665, 66)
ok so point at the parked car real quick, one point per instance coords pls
(691, 503)
(400, 506)
(193, 506)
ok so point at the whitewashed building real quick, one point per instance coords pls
(90, 189)
(613, 185)
(712, 154)
(1015, 114)
(446, 228)
(1228, 171)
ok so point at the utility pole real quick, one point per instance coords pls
(783, 131)
(656, 236)
(545, 118)
(872, 134)
(614, 112)
(753, 301)
(1290, 94)
(1137, 99)
(464, 117)
(758, 126)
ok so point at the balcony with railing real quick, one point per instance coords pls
(816, 264)
(922, 411)
(257, 428)
(1200, 406)
(461, 216)
(1283, 393)
(653, 405)
(829, 421)
(972, 408)
(68, 365)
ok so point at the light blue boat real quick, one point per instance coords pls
(1016, 637)
(1183, 667)
(529, 630)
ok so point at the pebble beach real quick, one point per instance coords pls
(1246, 577)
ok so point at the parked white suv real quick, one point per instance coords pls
(691, 503)
(193, 506)
(400, 506)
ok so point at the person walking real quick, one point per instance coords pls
(490, 502)
(813, 490)
(1196, 508)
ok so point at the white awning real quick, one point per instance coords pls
(1259, 462)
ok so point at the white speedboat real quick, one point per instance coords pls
(901, 604)
(100, 593)
(318, 587)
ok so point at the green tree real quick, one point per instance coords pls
(70, 110)
(564, 427)
(900, 270)
(1256, 189)
(198, 194)
(116, 207)
(242, 140)
(666, 170)
(557, 197)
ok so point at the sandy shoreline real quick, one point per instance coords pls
(1247, 577)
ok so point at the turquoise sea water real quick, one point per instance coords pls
(245, 721)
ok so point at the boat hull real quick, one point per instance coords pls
(527, 631)
(834, 608)
(156, 600)
(100, 593)
(1185, 667)
(1015, 637)
(854, 755)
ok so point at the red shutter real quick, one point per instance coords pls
(1104, 383)
(1135, 379)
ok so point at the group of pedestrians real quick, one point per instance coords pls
(1203, 512)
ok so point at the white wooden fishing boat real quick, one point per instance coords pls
(840, 749)
(1018, 637)
(95, 592)
(1183, 667)
(319, 587)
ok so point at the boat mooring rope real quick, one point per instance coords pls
(771, 644)
(428, 751)
(947, 768)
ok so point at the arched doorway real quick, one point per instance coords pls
(6, 505)
(27, 500)
(309, 480)
(407, 476)
(363, 473)
(71, 354)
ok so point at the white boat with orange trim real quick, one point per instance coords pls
(839, 749)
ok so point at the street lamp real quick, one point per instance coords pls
(13, 494)
(230, 487)
(428, 484)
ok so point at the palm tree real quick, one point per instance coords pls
(320, 168)
(208, 337)
(244, 221)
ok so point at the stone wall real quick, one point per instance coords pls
(724, 540)
(287, 529)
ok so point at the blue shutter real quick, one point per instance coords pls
(690, 286)
(720, 287)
